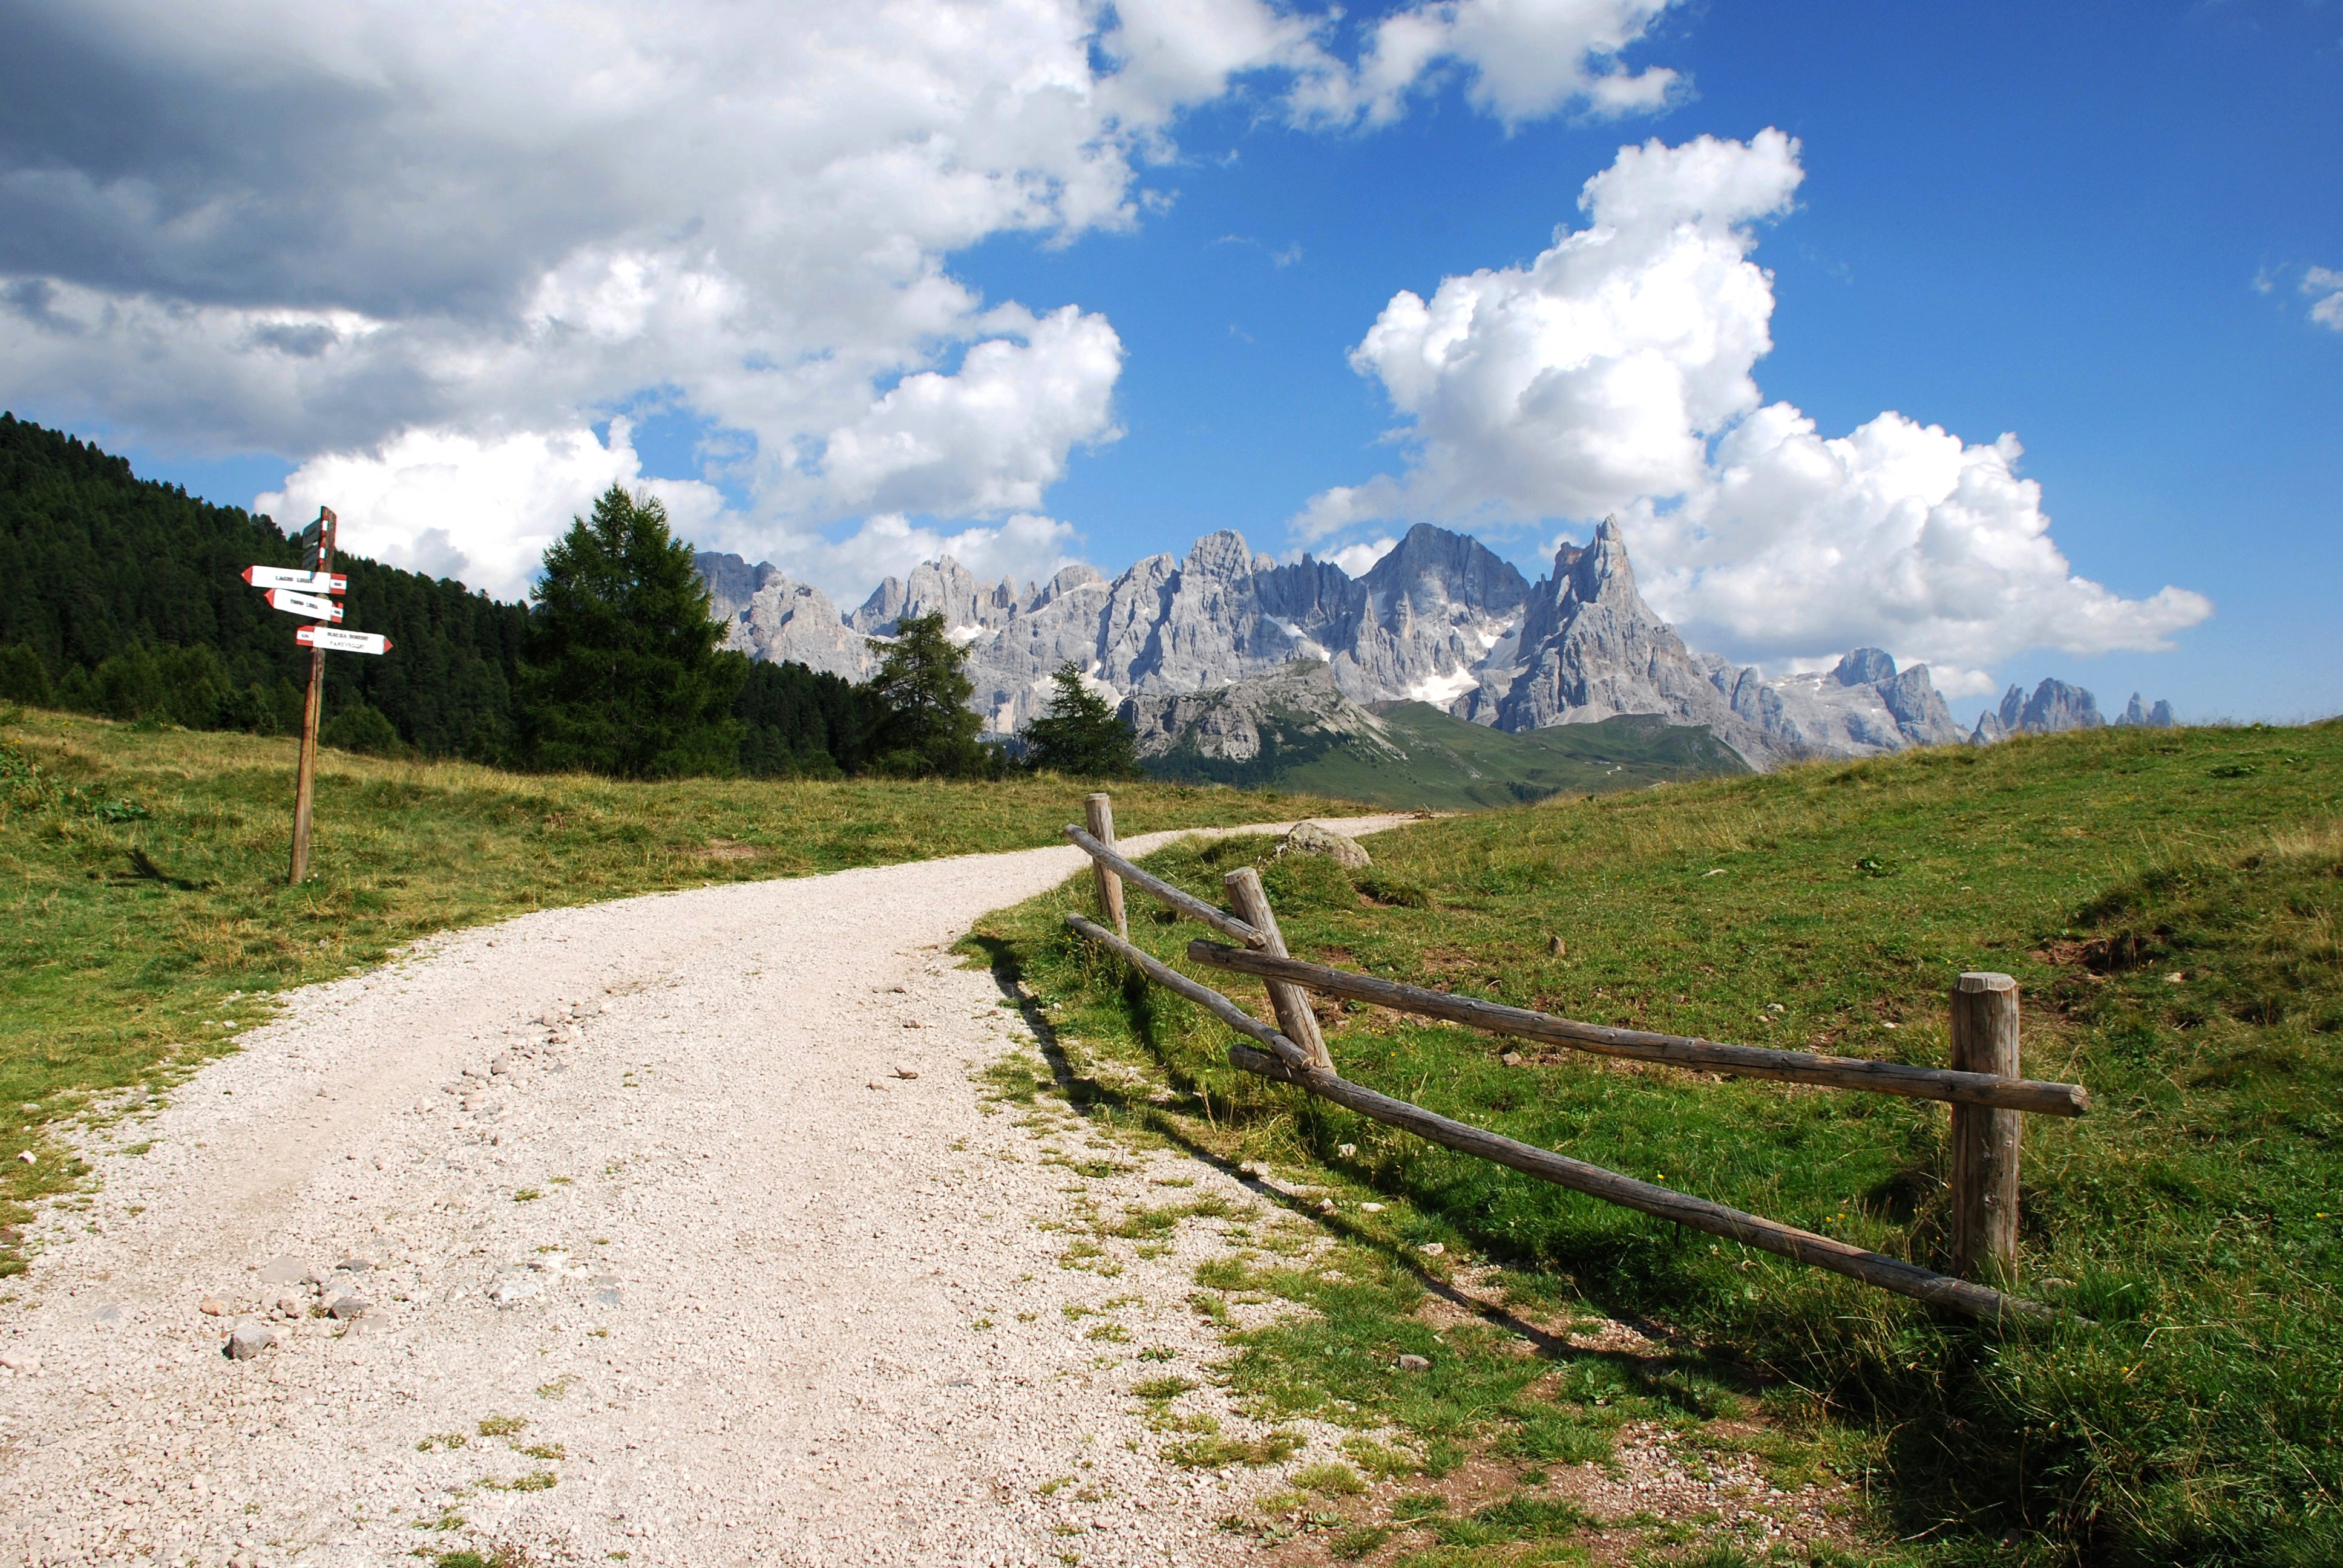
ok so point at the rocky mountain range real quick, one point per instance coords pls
(1439, 619)
(2056, 706)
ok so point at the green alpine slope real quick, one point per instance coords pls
(1424, 756)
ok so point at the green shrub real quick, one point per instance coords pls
(22, 677)
(361, 729)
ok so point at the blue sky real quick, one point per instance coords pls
(2101, 228)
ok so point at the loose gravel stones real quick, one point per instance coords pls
(845, 1334)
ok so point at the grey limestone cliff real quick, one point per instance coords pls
(1234, 723)
(1590, 648)
(771, 617)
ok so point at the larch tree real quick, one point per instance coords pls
(1079, 734)
(621, 671)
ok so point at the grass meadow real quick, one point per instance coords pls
(2169, 902)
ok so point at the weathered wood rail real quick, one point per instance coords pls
(1676, 1049)
(1985, 1094)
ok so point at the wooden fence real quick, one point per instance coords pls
(1982, 1087)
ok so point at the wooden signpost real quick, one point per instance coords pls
(310, 605)
(302, 593)
(300, 582)
(334, 639)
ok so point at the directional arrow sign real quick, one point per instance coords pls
(335, 640)
(310, 605)
(304, 582)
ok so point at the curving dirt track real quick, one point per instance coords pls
(662, 1259)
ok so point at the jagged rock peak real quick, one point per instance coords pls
(1864, 667)
(1432, 568)
(1602, 569)
(2139, 716)
(1224, 554)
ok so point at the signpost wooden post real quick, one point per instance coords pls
(303, 593)
(317, 542)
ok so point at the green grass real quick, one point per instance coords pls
(2169, 902)
(1449, 764)
(144, 919)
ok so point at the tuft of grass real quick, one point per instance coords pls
(2170, 903)
(1161, 1388)
(144, 904)
(1330, 1480)
(502, 1425)
(1216, 1450)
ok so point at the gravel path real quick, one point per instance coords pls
(663, 1262)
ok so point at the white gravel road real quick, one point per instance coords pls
(756, 1298)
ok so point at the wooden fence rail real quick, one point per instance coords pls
(1676, 1049)
(1985, 1094)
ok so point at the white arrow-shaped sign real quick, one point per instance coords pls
(310, 605)
(303, 582)
(336, 640)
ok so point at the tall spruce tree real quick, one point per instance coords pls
(620, 672)
(1079, 734)
(926, 730)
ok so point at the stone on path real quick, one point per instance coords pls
(248, 1341)
(290, 1269)
(512, 1292)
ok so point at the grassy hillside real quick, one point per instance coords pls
(1448, 764)
(145, 915)
(2169, 902)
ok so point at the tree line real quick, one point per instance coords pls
(122, 596)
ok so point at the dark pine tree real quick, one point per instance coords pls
(800, 723)
(926, 730)
(127, 595)
(1079, 734)
(620, 673)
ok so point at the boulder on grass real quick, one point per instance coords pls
(1310, 839)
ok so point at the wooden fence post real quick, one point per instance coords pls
(1984, 1139)
(1100, 810)
(1291, 1002)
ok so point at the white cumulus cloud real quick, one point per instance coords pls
(449, 237)
(481, 510)
(2325, 285)
(1359, 560)
(1008, 417)
(1614, 374)
(1522, 59)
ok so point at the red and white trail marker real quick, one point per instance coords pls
(302, 582)
(310, 605)
(334, 639)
